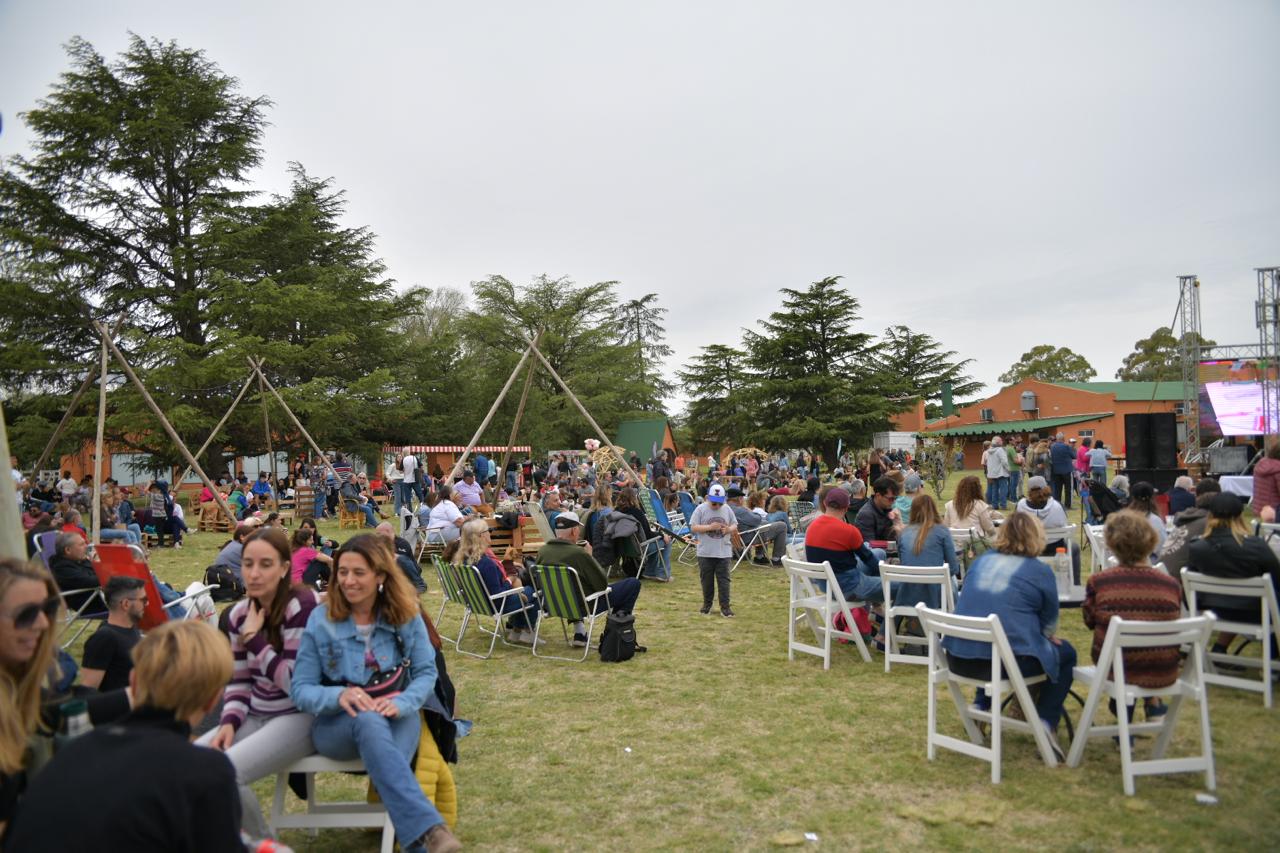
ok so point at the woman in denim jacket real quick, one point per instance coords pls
(371, 605)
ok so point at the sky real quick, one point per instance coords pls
(995, 174)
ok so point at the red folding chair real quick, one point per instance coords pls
(128, 560)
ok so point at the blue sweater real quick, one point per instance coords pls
(1023, 593)
(938, 548)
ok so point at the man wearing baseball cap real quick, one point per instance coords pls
(564, 550)
(830, 538)
(715, 525)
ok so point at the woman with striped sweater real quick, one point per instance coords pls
(261, 730)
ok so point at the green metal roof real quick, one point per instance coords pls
(640, 436)
(1005, 427)
(1131, 391)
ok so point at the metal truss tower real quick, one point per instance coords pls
(1189, 355)
(1267, 310)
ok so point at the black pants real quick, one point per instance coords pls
(711, 570)
(1062, 488)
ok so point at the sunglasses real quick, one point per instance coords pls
(24, 617)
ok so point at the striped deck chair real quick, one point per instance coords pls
(450, 593)
(483, 607)
(563, 599)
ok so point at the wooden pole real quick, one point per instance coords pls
(164, 422)
(96, 495)
(457, 466)
(11, 535)
(266, 428)
(257, 366)
(66, 416)
(208, 441)
(583, 409)
(515, 424)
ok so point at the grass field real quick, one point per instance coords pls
(730, 745)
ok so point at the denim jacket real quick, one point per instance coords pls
(335, 652)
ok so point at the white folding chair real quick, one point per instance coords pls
(1259, 588)
(328, 815)
(795, 550)
(534, 511)
(939, 576)
(1005, 678)
(1094, 533)
(1069, 534)
(963, 537)
(757, 536)
(817, 598)
(1107, 680)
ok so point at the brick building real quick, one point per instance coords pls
(1032, 408)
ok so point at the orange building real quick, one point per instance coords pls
(1035, 409)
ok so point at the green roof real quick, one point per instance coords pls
(999, 427)
(640, 436)
(1130, 391)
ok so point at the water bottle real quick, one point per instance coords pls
(75, 722)
(1062, 571)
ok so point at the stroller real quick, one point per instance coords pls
(1102, 500)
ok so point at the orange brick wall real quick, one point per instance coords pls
(1054, 401)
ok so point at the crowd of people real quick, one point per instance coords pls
(329, 650)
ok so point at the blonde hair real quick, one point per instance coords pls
(1130, 537)
(778, 503)
(1235, 526)
(471, 542)
(181, 667)
(1021, 534)
(757, 499)
(20, 689)
(396, 602)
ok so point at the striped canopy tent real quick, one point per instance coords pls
(444, 456)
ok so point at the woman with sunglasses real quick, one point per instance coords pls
(29, 607)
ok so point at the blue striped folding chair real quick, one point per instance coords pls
(563, 599)
(483, 606)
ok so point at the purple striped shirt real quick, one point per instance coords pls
(260, 681)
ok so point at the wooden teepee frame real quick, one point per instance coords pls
(530, 349)
(109, 348)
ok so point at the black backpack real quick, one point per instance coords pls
(229, 586)
(618, 643)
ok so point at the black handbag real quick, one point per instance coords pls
(394, 680)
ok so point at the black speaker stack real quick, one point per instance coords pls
(1151, 449)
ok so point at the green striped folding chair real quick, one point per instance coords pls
(483, 607)
(449, 593)
(563, 599)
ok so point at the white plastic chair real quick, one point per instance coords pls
(963, 537)
(328, 815)
(1259, 588)
(1069, 534)
(1107, 680)
(939, 576)
(816, 597)
(1005, 678)
(1094, 533)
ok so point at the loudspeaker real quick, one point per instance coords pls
(1164, 440)
(1137, 441)
(1161, 478)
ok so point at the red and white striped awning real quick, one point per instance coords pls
(456, 448)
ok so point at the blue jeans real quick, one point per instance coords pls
(404, 494)
(370, 520)
(1053, 694)
(658, 561)
(396, 501)
(1015, 480)
(385, 746)
(997, 488)
(109, 534)
(622, 596)
(511, 482)
(317, 511)
(1099, 475)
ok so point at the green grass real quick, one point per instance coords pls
(731, 744)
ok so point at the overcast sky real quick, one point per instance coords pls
(998, 175)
